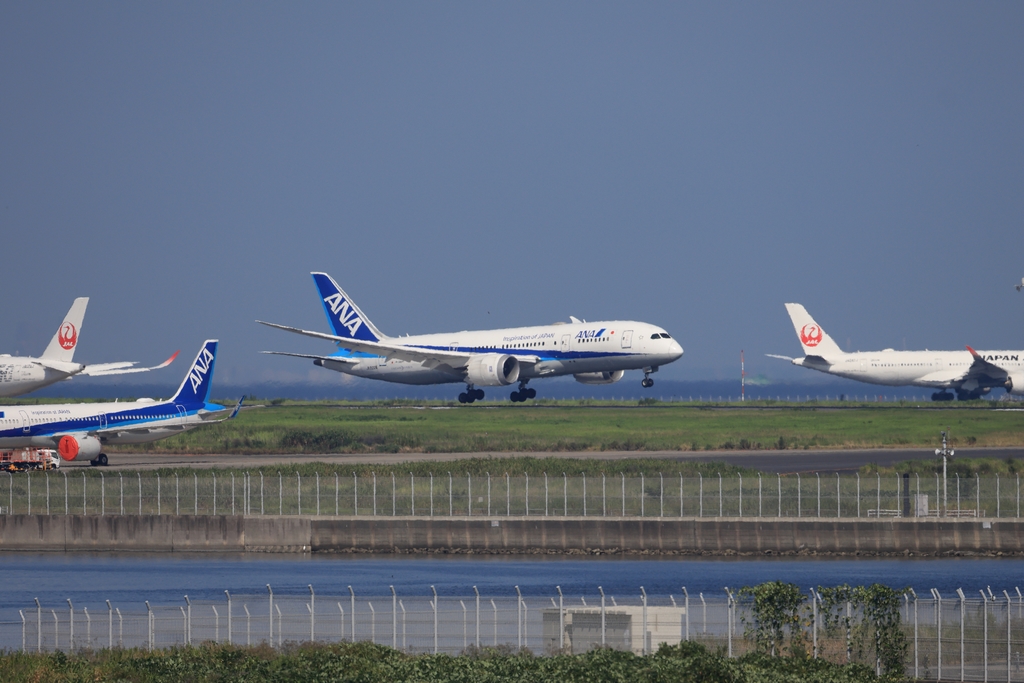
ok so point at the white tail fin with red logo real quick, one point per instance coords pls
(62, 346)
(812, 337)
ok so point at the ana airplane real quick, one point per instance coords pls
(81, 430)
(21, 374)
(594, 353)
(971, 374)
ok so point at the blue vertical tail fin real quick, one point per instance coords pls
(195, 388)
(344, 316)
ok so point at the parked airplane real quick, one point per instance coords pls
(81, 430)
(21, 374)
(594, 353)
(971, 374)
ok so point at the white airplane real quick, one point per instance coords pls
(594, 353)
(971, 374)
(81, 430)
(22, 374)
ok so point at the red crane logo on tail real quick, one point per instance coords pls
(810, 335)
(67, 336)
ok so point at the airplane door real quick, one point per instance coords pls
(627, 339)
(26, 426)
(103, 420)
(565, 343)
(382, 361)
(181, 413)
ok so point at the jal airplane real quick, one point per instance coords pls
(971, 374)
(21, 374)
(593, 353)
(81, 430)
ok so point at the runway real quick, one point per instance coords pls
(764, 460)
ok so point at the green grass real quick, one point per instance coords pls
(369, 663)
(338, 428)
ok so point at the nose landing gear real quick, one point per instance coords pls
(471, 394)
(523, 393)
(647, 382)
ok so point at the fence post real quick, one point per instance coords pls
(977, 493)
(839, 506)
(963, 615)
(229, 616)
(488, 492)
(412, 494)
(545, 494)
(431, 494)
(394, 618)
(858, 493)
(998, 507)
(680, 494)
(149, 620)
(686, 606)
(195, 491)
(916, 668)
(373, 500)
(317, 474)
(469, 494)
(270, 612)
(814, 622)
(758, 494)
(561, 620)
(450, 508)
(779, 476)
(740, 494)
(1008, 642)
(71, 621)
(601, 591)
(434, 605)
(519, 617)
(728, 620)
(643, 644)
(799, 497)
(584, 494)
(719, 494)
(352, 616)
(298, 491)
(818, 476)
(661, 477)
(110, 627)
(312, 614)
(984, 619)
(604, 495)
(623, 475)
(248, 625)
(394, 504)
(157, 493)
(215, 493)
(508, 495)
(700, 494)
(39, 626)
(526, 495)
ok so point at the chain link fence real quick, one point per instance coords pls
(949, 637)
(611, 495)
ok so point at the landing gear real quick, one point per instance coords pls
(523, 394)
(647, 382)
(942, 396)
(968, 395)
(471, 394)
(100, 460)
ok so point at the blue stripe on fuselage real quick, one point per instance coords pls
(130, 417)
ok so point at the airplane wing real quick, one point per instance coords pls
(122, 368)
(774, 355)
(333, 359)
(431, 358)
(983, 372)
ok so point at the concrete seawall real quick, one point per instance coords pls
(187, 533)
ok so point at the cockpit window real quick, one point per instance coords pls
(664, 335)
(655, 336)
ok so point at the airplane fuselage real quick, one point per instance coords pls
(563, 349)
(934, 369)
(21, 375)
(40, 425)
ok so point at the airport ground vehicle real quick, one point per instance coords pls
(28, 459)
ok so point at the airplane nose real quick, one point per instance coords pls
(675, 350)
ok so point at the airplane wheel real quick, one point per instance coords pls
(102, 459)
(647, 383)
(463, 398)
(478, 394)
(516, 397)
(531, 393)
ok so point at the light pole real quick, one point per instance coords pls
(944, 452)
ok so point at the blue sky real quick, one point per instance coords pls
(471, 165)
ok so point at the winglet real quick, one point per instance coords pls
(973, 352)
(167, 362)
(238, 406)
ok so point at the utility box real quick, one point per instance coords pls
(623, 628)
(921, 505)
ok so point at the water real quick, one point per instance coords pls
(129, 579)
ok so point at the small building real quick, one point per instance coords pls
(623, 628)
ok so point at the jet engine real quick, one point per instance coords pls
(492, 370)
(72, 446)
(599, 377)
(1015, 383)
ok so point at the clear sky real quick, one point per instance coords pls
(472, 165)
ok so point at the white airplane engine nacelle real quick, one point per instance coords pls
(78, 446)
(1015, 383)
(599, 377)
(493, 370)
